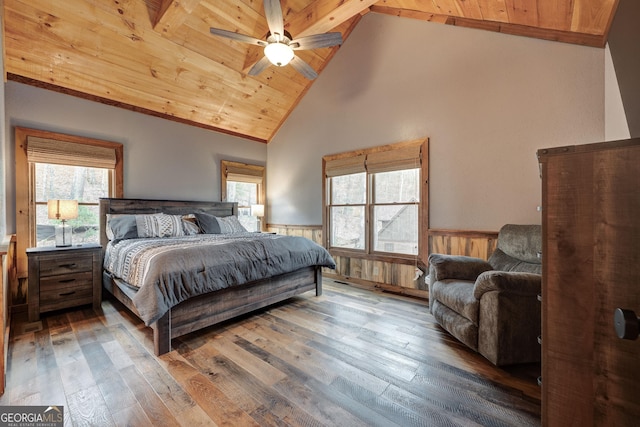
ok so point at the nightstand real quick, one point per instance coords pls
(63, 277)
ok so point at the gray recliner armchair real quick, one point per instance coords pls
(493, 306)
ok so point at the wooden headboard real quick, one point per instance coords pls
(149, 206)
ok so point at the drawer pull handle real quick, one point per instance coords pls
(66, 280)
(66, 294)
(70, 265)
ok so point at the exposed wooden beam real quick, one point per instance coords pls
(408, 13)
(317, 18)
(172, 14)
(594, 40)
(324, 15)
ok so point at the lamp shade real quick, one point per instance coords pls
(62, 209)
(278, 54)
(257, 210)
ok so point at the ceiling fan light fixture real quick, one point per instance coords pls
(278, 54)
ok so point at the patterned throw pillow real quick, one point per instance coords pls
(230, 224)
(122, 226)
(159, 225)
(190, 225)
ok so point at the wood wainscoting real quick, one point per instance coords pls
(479, 244)
(311, 232)
(402, 278)
(7, 281)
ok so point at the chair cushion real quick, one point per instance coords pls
(522, 242)
(461, 328)
(457, 295)
(503, 262)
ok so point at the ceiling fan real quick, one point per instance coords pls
(279, 45)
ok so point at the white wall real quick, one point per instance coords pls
(616, 126)
(487, 101)
(162, 159)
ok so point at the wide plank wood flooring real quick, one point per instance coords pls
(352, 357)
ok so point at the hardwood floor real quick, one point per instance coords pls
(350, 357)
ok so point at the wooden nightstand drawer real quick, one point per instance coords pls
(65, 265)
(65, 291)
(63, 277)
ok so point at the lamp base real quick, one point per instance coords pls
(63, 235)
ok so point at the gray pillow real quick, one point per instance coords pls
(230, 225)
(123, 227)
(208, 223)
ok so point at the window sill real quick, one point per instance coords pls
(392, 258)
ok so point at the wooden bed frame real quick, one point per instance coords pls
(214, 307)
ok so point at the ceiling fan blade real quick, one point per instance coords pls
(273, 12)
(316, 41)
(259, 66)
(303, 68)
(238, 37)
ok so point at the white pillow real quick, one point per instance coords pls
(161, 225)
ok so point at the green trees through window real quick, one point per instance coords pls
(84, 184)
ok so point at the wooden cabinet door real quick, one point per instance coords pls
(591, 266)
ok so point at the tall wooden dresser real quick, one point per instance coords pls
(591, 266)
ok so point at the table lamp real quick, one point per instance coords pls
(62, 210)
(258, 211)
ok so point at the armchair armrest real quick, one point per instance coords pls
(456, 267)
(512, 282)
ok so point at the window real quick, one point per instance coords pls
(395, 198)
(57, 166)
(84, 184)
(374, 200)
(245, 184)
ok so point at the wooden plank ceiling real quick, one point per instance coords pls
(158, 57)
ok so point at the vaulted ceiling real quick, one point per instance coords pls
(158, 56)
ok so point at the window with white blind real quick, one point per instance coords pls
(375, 200)
(245, 184)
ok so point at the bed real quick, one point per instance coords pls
(213, 299)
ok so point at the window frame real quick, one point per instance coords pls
(248, 173)
(372, 203)
(346, 161)
(25, 181)
(33, 174)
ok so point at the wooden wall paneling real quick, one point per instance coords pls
(7, 282)
(479, 244)
(398, 276)
(311, 232)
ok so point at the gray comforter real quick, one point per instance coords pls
(167, 271)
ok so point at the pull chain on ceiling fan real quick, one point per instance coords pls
(279, 46)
